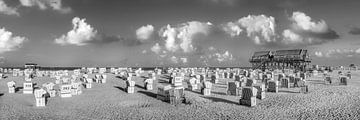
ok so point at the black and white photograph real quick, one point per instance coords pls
(179, 59)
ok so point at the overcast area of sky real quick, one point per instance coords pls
(175, 32)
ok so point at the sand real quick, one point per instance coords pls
(110, 101)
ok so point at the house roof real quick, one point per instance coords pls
(261, 53)
(287, 52)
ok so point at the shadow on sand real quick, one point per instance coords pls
(285, 91)
(197, 91)
(150, 94)
(17, 89)
(219, 93)
(162, 81)
(215, 99)
(120, 88)
(1, 94)
(136, 85)
(122, 78)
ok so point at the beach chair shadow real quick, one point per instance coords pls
(142, 87)
(285, 91)
(18, 89)
(162, 81)
(121, 77)
(1, 94)
(219, 93)
(215, 99)
(150, 94)
(197, 92)
(120, 88)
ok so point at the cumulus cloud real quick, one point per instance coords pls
(355, 31)
(227, 56)
(340, 52)
(304, 22)
(212, 48)
(318, 54)
(145, 32)
(305, 31)
(8, 42)
(232, 29)
(182, 36)
(174, 59)
(45, 4)
(216, 55)
(106, 39)
(156, 48)
(184, 60)
(83, 33)
(291, 37)
(5, 9)
(357, 51)
(80, 35)
(260, 28)
(144, 52)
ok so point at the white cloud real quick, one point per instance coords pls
(144, 33)
(291, 37)
(358, 51)
(80, 35)
(232, 29)
(8, 42)
(307, 32)
(304, 22)
(212, 48)
(227, 56)
(5, 9)
(182, 36)
(184, 60)
(341, 52)
(174, 59)
(144, 52)
(44, 4)
(260, 28)
(318, 54)
(156, 48)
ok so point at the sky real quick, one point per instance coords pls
(180, 33)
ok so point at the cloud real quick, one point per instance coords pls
(260, 28)
(156, 48)
(184, 60)
(232, 29)
(357, 51)
(107, 39)
(307, 32)
(174, 59)
(8, 42)
(340, 52)
(227, 56)
(318, 54)
(216, 55)
(182, 36)
(144, 52)
(45, 4)
(212, 48)
(145, 32)
(5, 9)
(355, 31)
(303, 22)
(291, 37)
(80, 35)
